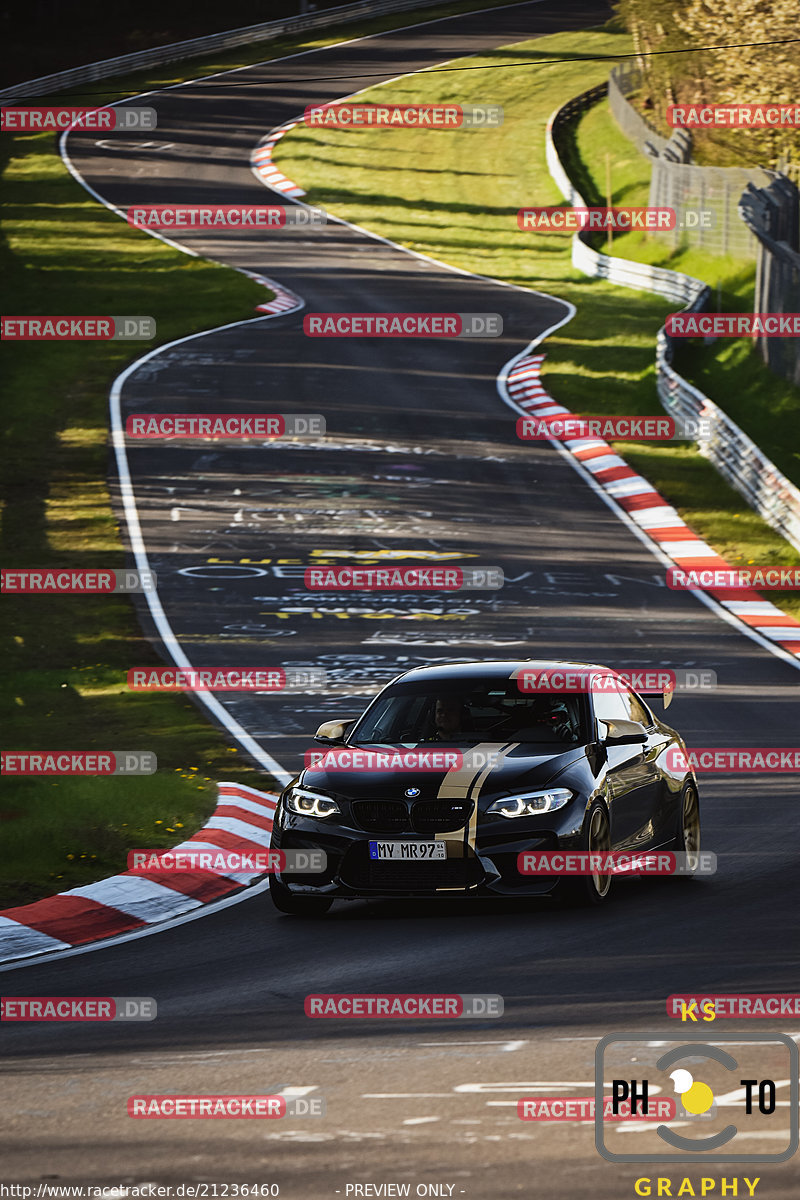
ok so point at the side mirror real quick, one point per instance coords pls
(624, 733)
(333, 732)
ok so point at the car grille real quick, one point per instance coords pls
(426, 816)
(382, 816)
(366, 874)
(440, 816)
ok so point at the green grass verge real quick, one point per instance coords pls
(65, 658)
(729, 371)
(455, 194)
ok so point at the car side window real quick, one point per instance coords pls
(638, 711)
(611, 706)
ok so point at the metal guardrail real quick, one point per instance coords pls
(195, 47)
(734, 454)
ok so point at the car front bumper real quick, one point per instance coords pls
(489, 869)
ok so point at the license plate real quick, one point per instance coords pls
(407, 851)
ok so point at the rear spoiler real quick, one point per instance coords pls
(654, 682)
(666, 691)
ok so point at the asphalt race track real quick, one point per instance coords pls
(420, 457)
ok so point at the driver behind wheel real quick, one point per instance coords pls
(451, 718)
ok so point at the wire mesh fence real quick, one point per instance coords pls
(705, 199)
(773, 215)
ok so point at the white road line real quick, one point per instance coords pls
(506, 1045)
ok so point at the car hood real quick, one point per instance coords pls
(522, 766)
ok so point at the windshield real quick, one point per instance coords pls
(468, 711)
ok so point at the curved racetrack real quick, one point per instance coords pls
(421, 456)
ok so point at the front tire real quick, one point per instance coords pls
(687, 839)
(590, 890)
(297, 906)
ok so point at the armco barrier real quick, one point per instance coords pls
(733, 453)
(195, 47)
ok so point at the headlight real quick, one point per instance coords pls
(310, 804)
(530, 804)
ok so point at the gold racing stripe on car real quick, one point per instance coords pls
(466, 783)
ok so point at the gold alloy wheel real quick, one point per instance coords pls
(600, 841)
(690, 821)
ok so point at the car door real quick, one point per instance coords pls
(634, 780)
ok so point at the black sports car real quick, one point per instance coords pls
(453, 771)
